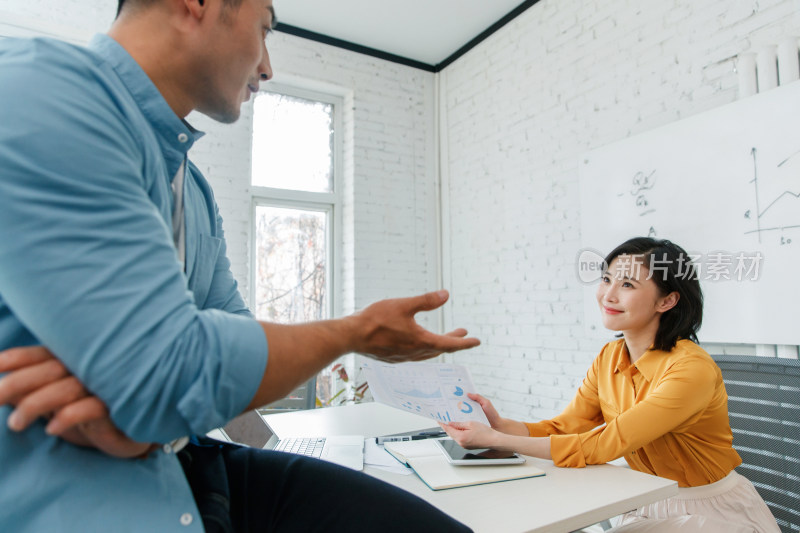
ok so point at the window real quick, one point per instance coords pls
(296, 213)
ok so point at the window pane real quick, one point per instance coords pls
(291, 275)
(292, 143)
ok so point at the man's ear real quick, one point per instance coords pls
(667, 302)
(195, 7)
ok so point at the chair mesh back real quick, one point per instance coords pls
(764, 409)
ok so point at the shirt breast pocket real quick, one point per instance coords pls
(203, 267)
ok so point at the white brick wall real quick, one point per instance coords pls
(564, 77)
(85, 16)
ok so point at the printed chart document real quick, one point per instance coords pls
(433, 469)
(436, 390)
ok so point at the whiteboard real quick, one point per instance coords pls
(724, 185)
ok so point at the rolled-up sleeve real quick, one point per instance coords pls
(88, 267)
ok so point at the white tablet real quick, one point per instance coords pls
(457, 455)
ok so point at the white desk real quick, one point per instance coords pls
(564, 500)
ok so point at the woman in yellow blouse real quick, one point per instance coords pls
(653, 397)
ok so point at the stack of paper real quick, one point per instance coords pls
(433, 469)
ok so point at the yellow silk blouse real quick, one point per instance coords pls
(667, 414)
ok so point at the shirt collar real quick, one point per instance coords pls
(175, 135)
(623, 361)
(649, 362)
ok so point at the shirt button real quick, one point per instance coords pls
(167, 449)
(186, 519)
(182, 137)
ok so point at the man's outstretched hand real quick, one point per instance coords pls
(389, 331)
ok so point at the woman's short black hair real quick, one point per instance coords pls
(672, 270)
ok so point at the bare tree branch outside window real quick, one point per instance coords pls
(290, 281)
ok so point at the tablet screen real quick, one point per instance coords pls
(457, 453)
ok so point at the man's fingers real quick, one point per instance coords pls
(83, 411)
(17, 384)
(459, 332)
(455, 341)
(86, 423)
(428, 301)
(44, 401)
(444, 343)
(431, 346)
(15, 358)
(107, 438)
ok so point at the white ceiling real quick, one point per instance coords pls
(427, 31)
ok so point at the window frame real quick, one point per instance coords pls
(326, 202)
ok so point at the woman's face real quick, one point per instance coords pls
(629, 299)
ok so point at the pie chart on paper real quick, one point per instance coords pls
(464, 407)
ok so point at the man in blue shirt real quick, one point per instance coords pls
(112, 256)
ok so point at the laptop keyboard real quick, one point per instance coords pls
(310, 447)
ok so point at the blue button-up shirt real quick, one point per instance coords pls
(88, 268)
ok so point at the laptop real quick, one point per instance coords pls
(251, 429)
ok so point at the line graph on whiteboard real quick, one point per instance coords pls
(776, 214)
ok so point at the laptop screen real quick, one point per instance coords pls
(248, 429)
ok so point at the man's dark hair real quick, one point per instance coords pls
(672, 270)
(123, 3)
(228, 3)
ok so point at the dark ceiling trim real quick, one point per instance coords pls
(347, 45)
(517, 11)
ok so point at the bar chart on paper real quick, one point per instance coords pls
(437, 391)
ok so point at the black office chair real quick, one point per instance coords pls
(764, 409)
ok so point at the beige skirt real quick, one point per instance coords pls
(731, 505)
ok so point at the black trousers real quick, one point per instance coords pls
(240, 489)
